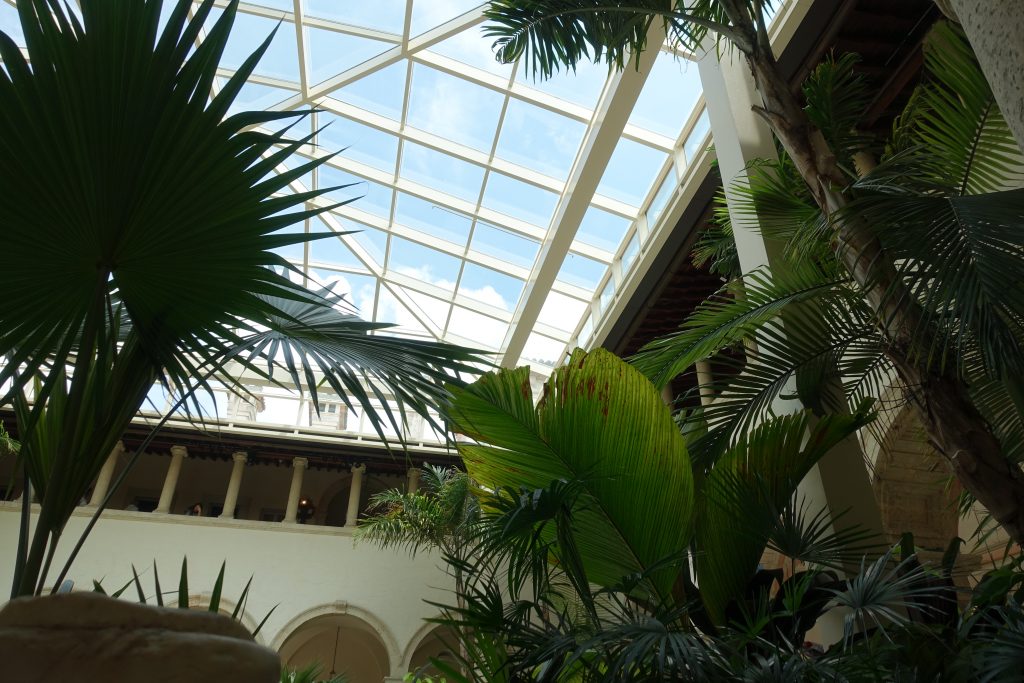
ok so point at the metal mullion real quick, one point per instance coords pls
(648, 138)
(370, 66)
(459, 69)
(257, 10)
(614, 107)
(475, 306)
(282, 83)
(389, 57)
(302, 48)
(407, 25)
(335, 26)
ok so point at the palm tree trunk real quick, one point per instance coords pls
(955, 427)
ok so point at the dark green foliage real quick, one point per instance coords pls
(141, 225)
(183, 592)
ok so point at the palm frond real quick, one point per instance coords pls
(953, 133)
(748, 488)
(879, 595)
(600, 423)
(552, 34)
(818, 538)
(716, 246)
(728, 318)
(317, 341)
(836, 97)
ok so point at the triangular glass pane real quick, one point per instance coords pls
(434, 310)
(427, 14)
(374, 241)
(391, 310)
(359, 290)
(331, 53)
(281, 59)
(381, 92)
(381, 15)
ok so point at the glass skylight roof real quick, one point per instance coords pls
(461, 168)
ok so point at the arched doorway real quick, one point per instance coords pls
(341, 643)
(436, 644)
(914, 489)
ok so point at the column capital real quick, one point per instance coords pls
(413, 472)
(300, 463)
(179, 450)
(240, 456)
(358, 469)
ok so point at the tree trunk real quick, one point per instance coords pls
(941, 399)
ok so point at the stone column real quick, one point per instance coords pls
(414, 479)
(996, 31)
(295, 492)
(178, 455)
(99, 492)
(840, 481)
(234, 484)
(354, 492)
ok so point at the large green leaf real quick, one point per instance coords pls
(600, 423)
(747, 490)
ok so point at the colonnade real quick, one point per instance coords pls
(299, 465)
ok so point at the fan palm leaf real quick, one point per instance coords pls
(142, 224)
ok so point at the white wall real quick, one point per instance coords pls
(307, 571)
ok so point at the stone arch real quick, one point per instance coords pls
(366, 649)
(431, 640)
(913, 485)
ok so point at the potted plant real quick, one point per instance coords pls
(140, 222)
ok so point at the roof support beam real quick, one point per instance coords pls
(602, 136)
